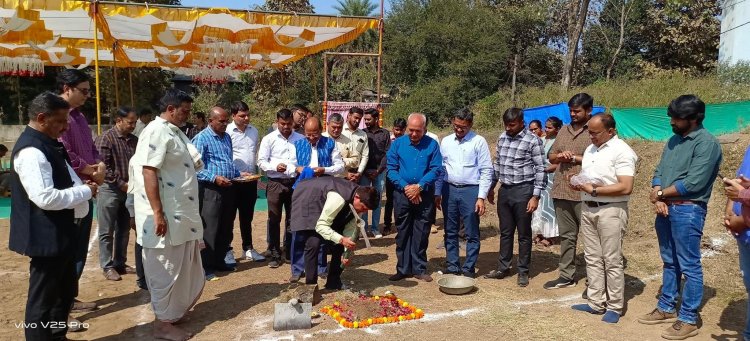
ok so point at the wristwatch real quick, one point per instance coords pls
(593, 193)
(660, 194)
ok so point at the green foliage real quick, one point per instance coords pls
(654, 92)
(682, 35)
(360, 8)
(735, 74)
(443, 45)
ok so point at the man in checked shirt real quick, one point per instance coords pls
(519, 167)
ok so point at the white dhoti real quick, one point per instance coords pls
(175, 279)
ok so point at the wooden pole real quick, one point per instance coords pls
(114, 75)
(325, 89)
(130, 80)
(95, 10)
(380, 54)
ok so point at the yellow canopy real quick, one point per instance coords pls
(195, 41)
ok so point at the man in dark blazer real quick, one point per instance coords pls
(47, 198)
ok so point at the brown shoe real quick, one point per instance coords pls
(424, 277)
(83, 307)
(680, 331)
(112, 275)
(657, 317)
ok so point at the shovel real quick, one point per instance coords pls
(292, 315)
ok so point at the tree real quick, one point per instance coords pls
(577, 11)
(359, 8)
(682, 34)
(612, 43)
(453, 43)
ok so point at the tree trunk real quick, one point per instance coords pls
(623, 21)
(577, 18)
(513, 82)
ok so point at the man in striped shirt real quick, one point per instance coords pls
(116, 146)
(519, 167)
(216, 192)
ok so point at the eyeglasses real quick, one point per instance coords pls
(458, 127)
(84, 91)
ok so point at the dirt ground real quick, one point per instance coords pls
(240, 305)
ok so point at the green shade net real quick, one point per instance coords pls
(653, 123)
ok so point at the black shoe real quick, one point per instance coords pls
(497, 274)
(225, 268)
(469, 274)
(275, 262)
(267, 253)
(523, 280)
(398, 277)
(141, 284)
(448, 272)
(559, 283)
(295, 278)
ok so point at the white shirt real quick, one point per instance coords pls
(358, 143)
(35, 173)
(466, 162)
(244, 147)
(606, 162)
(139, 125)
(433, 136)
(163, 146)
(274, 150)
(335, 169)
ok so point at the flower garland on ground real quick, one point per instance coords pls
(391, 310)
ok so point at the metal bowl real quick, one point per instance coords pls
(456, 285)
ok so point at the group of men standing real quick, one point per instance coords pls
(182, 197)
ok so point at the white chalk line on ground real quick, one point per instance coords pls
(373, 330)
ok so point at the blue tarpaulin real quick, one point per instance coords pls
(560, 110)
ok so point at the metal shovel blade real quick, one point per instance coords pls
(292, 316)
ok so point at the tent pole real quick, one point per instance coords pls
(325, 89)
(130, 80)
(94, 12)
(114, 75)
(380, 53)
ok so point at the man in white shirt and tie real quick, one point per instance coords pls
(244, 148)
(461, 190)
(275, 158)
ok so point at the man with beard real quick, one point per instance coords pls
(567, 153)
(378, 140)
(357, 142)
(681, 188)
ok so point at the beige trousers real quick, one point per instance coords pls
(175, 279)
(603, 229)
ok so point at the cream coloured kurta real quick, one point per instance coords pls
(163, 146)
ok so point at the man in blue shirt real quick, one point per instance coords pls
(681, 188)
(216, 194)
(414, 162)
(462, 189)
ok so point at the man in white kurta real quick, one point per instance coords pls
(168, 224)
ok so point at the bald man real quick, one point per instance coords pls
(319, 153)
(413, 164)
(216, 194)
